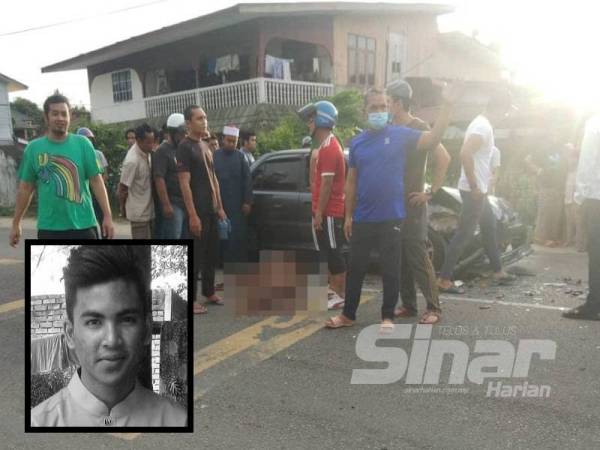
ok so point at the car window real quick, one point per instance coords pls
(278, 174)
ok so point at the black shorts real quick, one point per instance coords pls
(329, 241)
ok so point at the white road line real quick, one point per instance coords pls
(503, 303)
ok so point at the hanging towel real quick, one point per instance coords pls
(235, 62)
(223, 64)
(50, 353)
(287, 72)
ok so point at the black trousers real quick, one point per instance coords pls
(386, 237)
(416, 266)
(87, 233)
(591, 208)
(206, 253)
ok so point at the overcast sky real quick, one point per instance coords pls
(547, 45)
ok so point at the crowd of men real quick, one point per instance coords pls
(192, 186)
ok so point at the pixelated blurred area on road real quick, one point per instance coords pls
(281, 283)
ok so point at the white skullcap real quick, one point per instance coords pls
(230, 130)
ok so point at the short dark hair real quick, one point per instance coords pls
(187, 112)
(142, 130)
(213, 136)
(54, 99)
(93, 264)
(247, 135)
(129, 130)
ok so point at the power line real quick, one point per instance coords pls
(80, 19)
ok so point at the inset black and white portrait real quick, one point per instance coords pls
(109, 336)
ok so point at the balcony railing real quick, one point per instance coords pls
(241, 93)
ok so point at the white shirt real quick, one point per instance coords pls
(587, 180)
(482, 157)
(137, 176)
(75, 406)
(496, 158)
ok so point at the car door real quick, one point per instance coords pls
(305, 236)
(276, 184)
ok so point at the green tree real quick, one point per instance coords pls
(290, 130)
(170, 263)
(31, 110)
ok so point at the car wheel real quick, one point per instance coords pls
(436, 248)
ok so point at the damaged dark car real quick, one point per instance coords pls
(281, 216)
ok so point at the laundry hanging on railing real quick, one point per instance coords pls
(49, 353)
(227, 63)
(223, 65)
(278, 68)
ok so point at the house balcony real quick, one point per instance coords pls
(231, 95)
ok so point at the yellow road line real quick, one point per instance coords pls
(11, 306)
(126, 436)
(238, 342)
(249, 339)
(7, 262)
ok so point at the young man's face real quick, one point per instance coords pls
(58, 119)
(396, 107)
(108, 332)
(198, 123)
(130, 138)
(229, 142)
(251, 144)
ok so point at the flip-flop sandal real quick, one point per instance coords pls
(403, 312)
(581, 312)
(430, 318)
(386, 327)
(219, 302)
(338, 322)
(200, 309)
(451, 290)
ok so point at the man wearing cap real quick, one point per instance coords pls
(170, 214)
(374, 209)
(233, 173)
(328, 174)
(476, 156)
(416, 264)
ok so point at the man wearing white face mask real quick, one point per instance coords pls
(375, 199)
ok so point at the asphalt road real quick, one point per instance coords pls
(285, 382)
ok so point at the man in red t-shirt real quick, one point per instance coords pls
(327, 175)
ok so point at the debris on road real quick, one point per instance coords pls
(520, 271)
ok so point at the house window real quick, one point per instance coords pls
(361, 60)
(121, 85)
